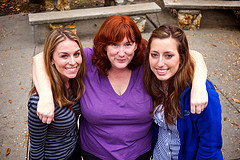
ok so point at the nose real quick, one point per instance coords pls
(121, 51)
(160, 62)
(72, 60)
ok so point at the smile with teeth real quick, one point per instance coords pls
(71, 69)
(162, 71)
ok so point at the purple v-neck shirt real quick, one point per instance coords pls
(113, 126)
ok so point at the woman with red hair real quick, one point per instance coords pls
(116, 120)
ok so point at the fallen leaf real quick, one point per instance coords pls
(236, 100)
(23, 88)
(70, 26)
(26, 136)
(214, 45)
(8, 151)
(10, 101)
(235, 124)
(225, 118)
(20, 83)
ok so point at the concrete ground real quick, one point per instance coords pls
(218, 39)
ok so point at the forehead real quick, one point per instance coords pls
(124, 33)
(66, 44)
(164, 43)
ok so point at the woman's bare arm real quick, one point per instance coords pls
(199, 95)
(45, 107)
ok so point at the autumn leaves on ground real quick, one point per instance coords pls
(10, 7)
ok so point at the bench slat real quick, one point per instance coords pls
(193, 4)
(92, 13)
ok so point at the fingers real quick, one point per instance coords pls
(40, 116)
(44, 119)
(192, 108)
(49, 120)
(205, 104)
(198, 108)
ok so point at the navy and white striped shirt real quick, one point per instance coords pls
(56, 140)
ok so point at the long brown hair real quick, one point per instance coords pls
(113, 30)
(178, 83)
(60, 93)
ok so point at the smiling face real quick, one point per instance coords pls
(67, 59)
(164, 58)
(121, 54)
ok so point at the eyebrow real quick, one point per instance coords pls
(155, 51)
(79, 50)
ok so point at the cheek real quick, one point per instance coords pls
(151, 62)
(175, 66)
(79, 60)
(52, 62)
(131, 56)
(109, 50)
(108, 55)
(59, 64)
(130, 52)
(152, 66)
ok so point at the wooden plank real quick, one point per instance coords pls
(92, 13)
(193, 4)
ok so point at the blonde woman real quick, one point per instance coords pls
(65, 65)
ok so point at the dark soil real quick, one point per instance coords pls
(10, 7)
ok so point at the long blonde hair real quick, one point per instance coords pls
(60, 93)
(178, 83)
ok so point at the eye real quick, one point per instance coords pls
(114, 44)
(77, 54)
(64, 56)
(128, 44)
(154, 55)
(168, 56)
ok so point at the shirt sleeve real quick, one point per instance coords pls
(209, 129)
(37, 130)
(88, 52)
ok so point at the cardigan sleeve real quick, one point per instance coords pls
(37, 130)
(209, 129)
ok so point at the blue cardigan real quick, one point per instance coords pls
(200, 134)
